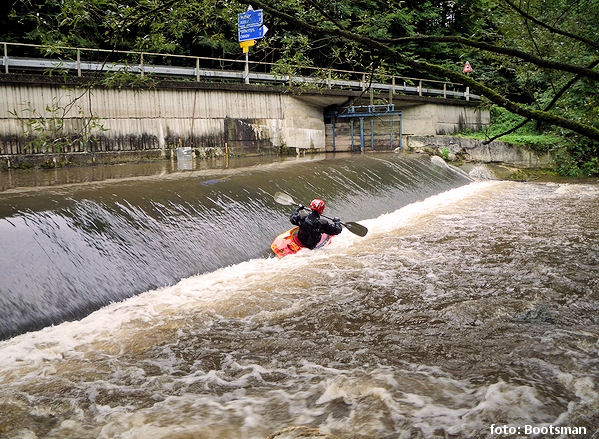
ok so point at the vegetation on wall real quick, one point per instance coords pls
(535, 61)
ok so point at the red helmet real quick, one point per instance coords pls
(317, 205)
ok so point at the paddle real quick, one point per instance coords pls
(355, 228)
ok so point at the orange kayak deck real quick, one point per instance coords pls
(287, 243)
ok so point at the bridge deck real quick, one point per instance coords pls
(331, 79)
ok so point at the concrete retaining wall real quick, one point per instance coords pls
(154, 119)
(474, 150)
(47, 120)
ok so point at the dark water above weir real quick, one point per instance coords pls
(469, 306)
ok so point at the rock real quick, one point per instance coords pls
(438, 161)
(481, 172)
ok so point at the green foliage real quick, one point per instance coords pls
(123, 78)
(46, 130)
(293, 50)
(445, 153)
(579, 158)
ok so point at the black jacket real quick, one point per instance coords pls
(312, 226)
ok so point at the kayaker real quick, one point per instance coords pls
(312, 225)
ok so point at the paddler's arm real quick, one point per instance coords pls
(295, 215)
(331, 228)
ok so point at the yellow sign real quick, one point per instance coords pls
(245, 45)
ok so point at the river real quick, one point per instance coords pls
(155, 309)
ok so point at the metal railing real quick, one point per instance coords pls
(199, 68)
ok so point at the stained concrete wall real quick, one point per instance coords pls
(428, 119)
(124, 120)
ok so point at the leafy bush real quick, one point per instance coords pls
(579, 159)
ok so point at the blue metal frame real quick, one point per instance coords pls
(363, 111)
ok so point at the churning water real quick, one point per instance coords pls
(468, 307)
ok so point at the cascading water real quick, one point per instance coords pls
(470, 309)
(71, 249)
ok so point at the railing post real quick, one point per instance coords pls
(79, 63)
(329, 80)
(141, 65)
(445, 90)
(5, 58)
(420, 88)
(467, 94)
(363, 81)
(198, 69)
(362, 134)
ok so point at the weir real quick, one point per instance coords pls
(70, 249)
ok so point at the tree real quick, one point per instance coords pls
(376, 34)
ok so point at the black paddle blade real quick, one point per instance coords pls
(356, 229)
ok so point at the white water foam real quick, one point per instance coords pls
(114, 351)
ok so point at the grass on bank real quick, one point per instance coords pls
(528, 135)
(574, 157)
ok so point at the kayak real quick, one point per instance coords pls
(287, 243)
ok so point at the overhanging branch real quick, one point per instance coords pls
(541, 62)
(550, 105)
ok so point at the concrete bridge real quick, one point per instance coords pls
(75, 112)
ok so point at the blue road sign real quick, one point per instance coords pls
(249, 25)
(250, 18)
(250, 33)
